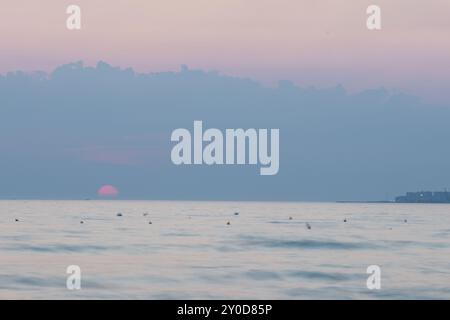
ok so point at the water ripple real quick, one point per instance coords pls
(307, 244)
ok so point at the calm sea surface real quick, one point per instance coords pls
(189, 251)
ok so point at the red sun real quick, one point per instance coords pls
(108, 191)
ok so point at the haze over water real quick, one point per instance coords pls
(189, 251)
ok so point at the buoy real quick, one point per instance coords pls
(308, 226)
(228, 223)
(119, 214)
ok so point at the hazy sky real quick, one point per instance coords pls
(322, 42)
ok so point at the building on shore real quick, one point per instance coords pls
(424, 197)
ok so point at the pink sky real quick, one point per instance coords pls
(322, 42)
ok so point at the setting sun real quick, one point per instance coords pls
(108, 191)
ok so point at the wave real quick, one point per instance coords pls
(307, 244)
(54, 248)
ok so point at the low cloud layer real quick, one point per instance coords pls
(65, 134)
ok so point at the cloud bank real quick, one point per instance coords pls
(65, 134)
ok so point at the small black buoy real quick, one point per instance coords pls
(345, 220)
(150, 222)
(119, 214)
(228, 223)
(308, 226)
(17, 220)
(406, 221)
(145, 214)
(81, 222)
(290, 218)
(236, 213)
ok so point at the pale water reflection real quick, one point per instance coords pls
(190, 252)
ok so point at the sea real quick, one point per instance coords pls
(223, 250)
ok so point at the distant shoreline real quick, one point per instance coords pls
(393, 202)
(366, 201)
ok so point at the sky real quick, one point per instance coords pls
(320, 43)
(363, 115)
